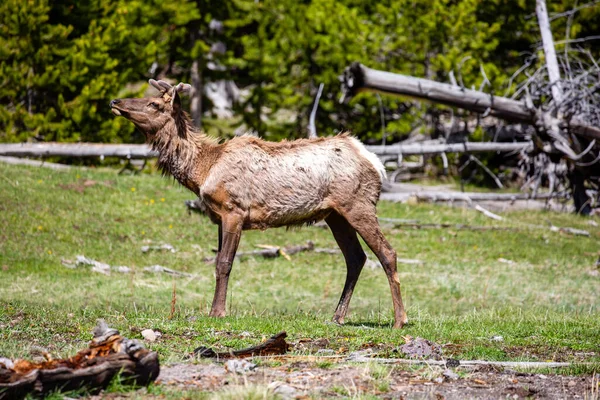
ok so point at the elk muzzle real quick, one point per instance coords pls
(113, 106)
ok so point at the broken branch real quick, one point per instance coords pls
(276, 345)
(359, 78)
(271, 251)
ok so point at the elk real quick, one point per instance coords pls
(248, 183)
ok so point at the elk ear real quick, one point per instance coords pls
(184, 88)
(180, 88)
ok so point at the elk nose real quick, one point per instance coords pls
(114, 102)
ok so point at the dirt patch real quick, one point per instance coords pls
(81, 185)
(322, 379)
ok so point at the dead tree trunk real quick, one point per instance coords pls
(359, 78)
(196, 94)
(576, 177)
(558, 135)
(580, 197)
(548, 43)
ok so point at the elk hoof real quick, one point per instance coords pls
(216, 314)
(401, 323)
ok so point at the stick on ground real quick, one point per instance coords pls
(276, 345)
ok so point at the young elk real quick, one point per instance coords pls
(248, 183)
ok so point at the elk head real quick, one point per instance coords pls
(151, 115)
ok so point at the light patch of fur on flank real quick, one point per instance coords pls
(291, 183)
(373, 159)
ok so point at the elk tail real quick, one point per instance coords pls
(373, 159)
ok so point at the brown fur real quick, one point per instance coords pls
(248, 183)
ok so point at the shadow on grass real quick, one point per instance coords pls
(370, 324)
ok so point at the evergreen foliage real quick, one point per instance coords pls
(62, 61)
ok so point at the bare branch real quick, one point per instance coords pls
(488, 213)
(574, 10)
(487, 170)
(578, 40)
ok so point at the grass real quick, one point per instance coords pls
(543, 301)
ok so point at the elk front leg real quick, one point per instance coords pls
(230, 232)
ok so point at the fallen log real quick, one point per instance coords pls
(276, 345)
(357, 78)
(142, 151)
(35, 163)
(468, 197)
(93, 368)
(82, 150)
(552, 228)
(456, 227)
(466, 147)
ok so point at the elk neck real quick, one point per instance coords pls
(185, 153)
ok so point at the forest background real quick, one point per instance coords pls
(62, 61)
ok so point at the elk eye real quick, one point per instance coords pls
(154, 105)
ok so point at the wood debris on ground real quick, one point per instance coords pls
(103, 268)
(107, 355)
(271, 251)
(159, 247)
(276, 345)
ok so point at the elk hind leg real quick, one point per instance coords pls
(364, 219)
(345, 236)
